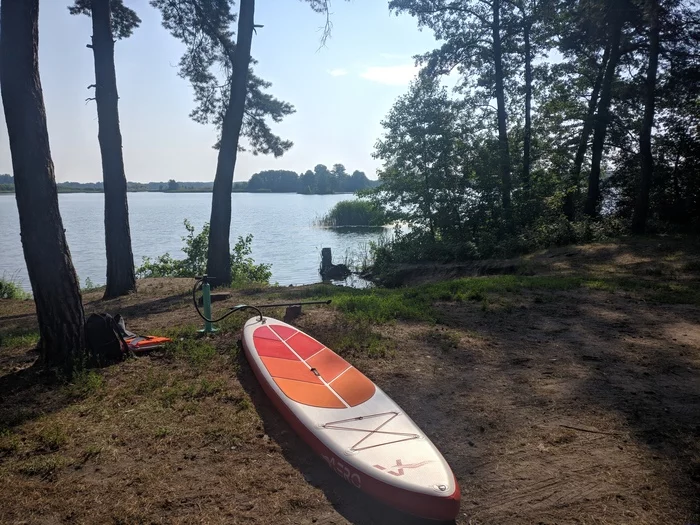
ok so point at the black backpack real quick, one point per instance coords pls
(104, 340)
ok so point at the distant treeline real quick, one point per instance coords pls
(319, 181)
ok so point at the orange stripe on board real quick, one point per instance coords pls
(286, 369)
(329, 364)
(311, 394)
(354, 387)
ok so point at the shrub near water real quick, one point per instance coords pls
(354, 213)
(243, 267)
(9, 289)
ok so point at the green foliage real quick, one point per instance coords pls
(243, 268)
(124, 19)
(354, 213)
(89, 285)
(9, 289)
(205, 27)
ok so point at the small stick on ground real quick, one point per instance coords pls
(591, 431)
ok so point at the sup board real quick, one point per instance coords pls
(361, 433)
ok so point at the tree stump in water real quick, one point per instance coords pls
(330, 271)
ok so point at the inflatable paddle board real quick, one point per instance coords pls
(361, 433)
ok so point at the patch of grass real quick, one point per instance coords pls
(9, 442)
(52, 437)
(19, 339)
(416, 303)
(85, 383)
(189, 345)
(44, 466)
(150, 382)
(355, 338)
(445, 340)
(191, 390)
(91, 452)
(161, 432)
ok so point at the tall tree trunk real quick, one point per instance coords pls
(570, 199)
(601, 122)
(120, 260)
(219, 252)
(641, 209)
(54, 282)
(504, 156)
(528, 104)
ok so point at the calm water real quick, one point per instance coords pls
(282, 226)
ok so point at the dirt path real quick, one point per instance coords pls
(552, 407)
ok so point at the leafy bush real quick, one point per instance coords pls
(243, 267)
(354, 213)
(418, 245)
(9, 289)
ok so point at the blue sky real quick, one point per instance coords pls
(341, 92)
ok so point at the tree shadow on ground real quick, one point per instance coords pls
(619, 372)
(354, 505)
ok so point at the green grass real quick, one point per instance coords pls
(355, 338)
(52, 437)
(19, 338)
(443, 339)
(9, 442)
(85, 383)
(188, 344)
(416, 303)
(43, 466)
(354, 213)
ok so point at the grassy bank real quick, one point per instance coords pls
(577, 361)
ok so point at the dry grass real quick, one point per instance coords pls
(553, 403)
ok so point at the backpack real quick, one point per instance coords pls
(104, 340)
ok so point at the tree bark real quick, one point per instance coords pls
(528, 104)
(120, 261)
(603, 117)
(570, 199)
(504, 156)
(219, 251)
(54, 282)
(641, 209)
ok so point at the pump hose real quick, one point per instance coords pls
(198, 284)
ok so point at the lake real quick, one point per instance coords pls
(282, 225)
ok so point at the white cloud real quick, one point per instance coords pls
(338, 72)
(391, 75)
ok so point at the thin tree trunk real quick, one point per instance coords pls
(570, 199)
(504, 156)
(54, 282)
(641, 209)
(528, 105)
(603, 118)
(120, 260)
(219, 252)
